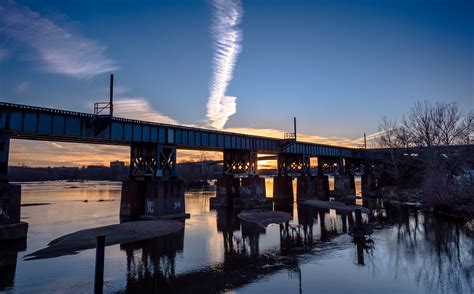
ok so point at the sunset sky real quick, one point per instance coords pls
(249, 66)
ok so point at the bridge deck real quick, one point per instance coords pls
(38, 123)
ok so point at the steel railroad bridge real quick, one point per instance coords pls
(153, 187)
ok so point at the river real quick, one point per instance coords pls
(409, 251)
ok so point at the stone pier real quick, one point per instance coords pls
(164, 197)
(322, 187)
(132, 203)
(228, 188)
(368, 183)
(305, 187)
(240, 186)
(10, 199)
(342, 185)
(153, 189)
(252, 194)
(253, 187)
(282, 188)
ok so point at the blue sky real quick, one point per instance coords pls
(338, 66)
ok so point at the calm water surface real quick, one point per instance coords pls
(407, 253)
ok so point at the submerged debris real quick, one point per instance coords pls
(264, 217)
(35, 204)
(115, 234)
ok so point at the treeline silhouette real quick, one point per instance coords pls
(191, 172)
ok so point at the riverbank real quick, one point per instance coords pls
(457, 205)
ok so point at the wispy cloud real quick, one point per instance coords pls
(227, 36)
(58, 50)
(274, 133)
(140, 109)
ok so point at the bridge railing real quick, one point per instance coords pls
(101, 107)
(289, 136)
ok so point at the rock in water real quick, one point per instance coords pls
(340, 206)
(115, 234)
(265, 217)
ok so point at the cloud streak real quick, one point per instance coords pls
(139, 109)
(57, 49)
(226, 36)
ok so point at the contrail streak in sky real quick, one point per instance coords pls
(226, 42)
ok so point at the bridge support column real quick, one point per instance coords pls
(305, 184)
(305, 187)
(368, 183)
(343, 180)
(342, 185)
(10, 199)
(252, 187)
(322, 187)
(240, 186)
(228, 188)
(283, 188)
(326, 165)
(153, 189)
(252, 194)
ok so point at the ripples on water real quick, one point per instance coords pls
(409, 252)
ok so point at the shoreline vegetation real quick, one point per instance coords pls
(429, 160)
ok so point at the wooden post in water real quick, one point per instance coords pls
(99, 264)
(358, 218)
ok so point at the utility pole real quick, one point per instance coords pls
(365, 142)
(294, 126)
(111, 102)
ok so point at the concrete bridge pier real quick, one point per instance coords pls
(368, 183)
(343, 180)
(228, 188)
(240, 186)
(322, 187)
(305, 187)
(344, 184)
(10, 199)
(326, 165)
(253, 187)
(252, 194)
(305, 184)
(290, 165)
(283, 188)
(153, 188)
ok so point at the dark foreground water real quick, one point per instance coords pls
(409, 252)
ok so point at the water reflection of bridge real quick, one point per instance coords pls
(151, 265)
(445, 263)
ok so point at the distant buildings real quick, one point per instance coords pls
(117, 164)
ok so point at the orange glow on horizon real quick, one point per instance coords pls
(40, 153)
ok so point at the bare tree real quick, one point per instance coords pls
(449, 123)
(468, 123)
(420, 125)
